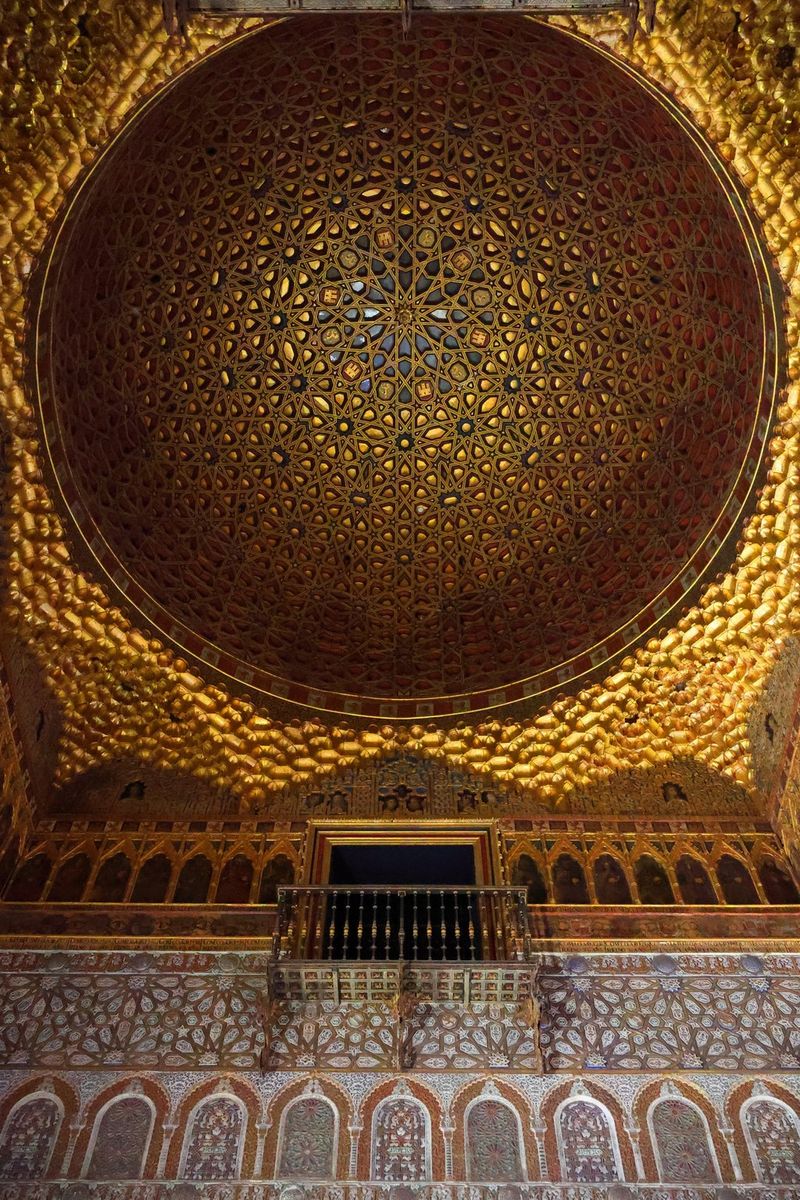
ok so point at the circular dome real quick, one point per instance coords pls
(406, 377)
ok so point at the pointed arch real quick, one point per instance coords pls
(236, 878)
(569, 879)
(735, 879)
(652, 880)
(611, 884)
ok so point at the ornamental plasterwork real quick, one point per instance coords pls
(690, 690)
(178, 1011)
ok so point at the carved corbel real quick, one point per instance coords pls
(404, 1005)
(529, 1012)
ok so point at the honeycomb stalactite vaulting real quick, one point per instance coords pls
(687, 691)
(408, 390)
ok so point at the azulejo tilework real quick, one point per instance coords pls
(438, 391)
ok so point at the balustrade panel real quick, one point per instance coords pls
(381, 924)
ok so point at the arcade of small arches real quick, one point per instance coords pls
(691, 874)
(205, 868)
(402, 1131)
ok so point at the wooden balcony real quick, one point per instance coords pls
(402, 924)
(466, 944)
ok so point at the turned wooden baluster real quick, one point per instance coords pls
(387, 927)
(456, 924)
(483, 917)
(415, 931)
(332, 912)
(346, 931)
(360, 928)
(527, 945)
(470, 928)
(443, 926)
(401, 933)
(374, 930)
(457, 927)
(429, 926)
(319, 899)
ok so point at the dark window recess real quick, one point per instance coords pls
(694, 881)
(235, 881)
(735, 881)
(527, 874)
(29, 881)
(133, 790)
(193, 881)
(652, 881)
(152, 881)
(278, 872)
(111, 880)
(569, 881)
(71, 879)
(426, 865)
(439, 926)
(779, 887)
(610, 883)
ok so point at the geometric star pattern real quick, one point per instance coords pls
(403, 368)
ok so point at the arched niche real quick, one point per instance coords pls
(278, 871)
(772, 1133)
(235, 880)
(527, 873)
(194, 881)
(682, 1142)
(308, 1138)
(152, 881)
(120, 1138)
(111, 880)
(777, 882)
(588, 1148)
(401, 1138)
(652, 881)
(29, 1136)
(30, 879)
(494, 1148)
(569, 881)
(214, 1140)
(71, 879)
(610, 881)
(694, 881)
(736, 881)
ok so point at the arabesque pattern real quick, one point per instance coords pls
(439, 381)
(80, 89)
(204, 1011)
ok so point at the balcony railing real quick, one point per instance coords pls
(402, 924)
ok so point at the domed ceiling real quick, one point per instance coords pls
(406, 377)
